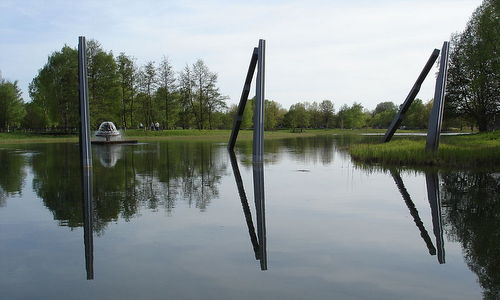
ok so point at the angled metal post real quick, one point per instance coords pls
(85, 146)
(411, 96)
(432, 182)
(243, 100)
(258, 117)
(436, 117)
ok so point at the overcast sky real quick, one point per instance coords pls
(345, 51)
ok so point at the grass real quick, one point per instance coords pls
(477, 150)
(187, 134)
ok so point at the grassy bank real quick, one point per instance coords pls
(454, 151)
(188, 134)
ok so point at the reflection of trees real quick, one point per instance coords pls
(318, 149)
(151, 176)
(473, 219)
(12, 174)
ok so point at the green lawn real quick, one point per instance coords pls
(454, 151)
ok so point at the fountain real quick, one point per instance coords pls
(111, 135)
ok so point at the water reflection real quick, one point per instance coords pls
(161, 176)
(435, 205)
(258, 241)
(88, 220)
(108, 155)
(472, 217)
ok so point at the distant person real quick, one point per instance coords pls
(141, 126)
(157, 126)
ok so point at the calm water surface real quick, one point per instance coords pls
(180, 220)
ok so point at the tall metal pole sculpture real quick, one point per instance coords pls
(257, 59)
(436, 117)
(432, 182)
(86, 159)
(411, 96)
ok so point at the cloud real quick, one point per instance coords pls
(363, 51)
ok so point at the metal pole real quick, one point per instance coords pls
(413, 211)
(243, 100)
(432, 182)
(436, 117)
(85, 146)
(86, 159)
(411, 96)
(258, 124)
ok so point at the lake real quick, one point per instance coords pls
(187, 220)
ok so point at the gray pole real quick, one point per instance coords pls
(243, 100)
(411, 96)
(85, 149)
(432, 182)
(258, 117)
(436, 117)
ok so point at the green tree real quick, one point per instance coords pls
(55, 89)
(11, 105)
(297, 116)
(327, 113)
(148, 83)
(273, 115)
(166, 83)
(474, 67)
(383, 114)
(352, 117)
(127, 75)
(104, 85)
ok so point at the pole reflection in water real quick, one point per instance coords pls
(432, 182)
(413, 211)
(88, 221)
(258, 240)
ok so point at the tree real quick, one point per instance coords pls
(327, 113)
(273, 115)
(104, 85)
(351, 117)
(147, 85)
(11, 105)
(383, 114)
(127, 74)
(297, 116)
(55, 89)
(166, 83)
(186, 102)
(474, 67)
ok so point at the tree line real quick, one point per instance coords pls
(130, 95)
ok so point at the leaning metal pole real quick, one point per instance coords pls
(243, 100)
(86, 159)
(258, 124)
(436, 117)
(411, 96)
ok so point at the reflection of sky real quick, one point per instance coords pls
(333, 232)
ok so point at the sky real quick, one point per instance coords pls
(344, 51)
